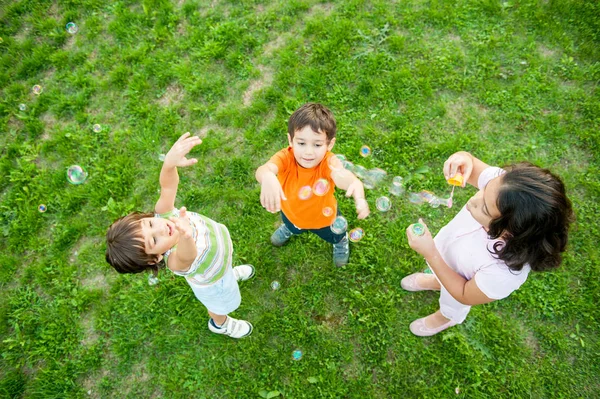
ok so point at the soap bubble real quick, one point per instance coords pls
(336, 162)
(72, 28)
(375, 176)
(152, 279)
(42, 208)
(356, 234)
(327, 211)
(383, 204)
(22, 107)
(97, 128)
(76, 174)
(427, 196)
(297, 354)
(305, 193)
(415, 198)
(161, 157)
(275, 285)
(321, 187)
(365, 151)
(341, 157)
(340, 225)
(435, 202)
(418, 229)
(360, 171)
(37, 90)
(396, 188)
(348, 166)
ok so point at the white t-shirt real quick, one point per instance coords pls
(465, 247)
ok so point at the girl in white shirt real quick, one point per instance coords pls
(518, 221)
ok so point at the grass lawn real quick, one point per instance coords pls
(415, 80)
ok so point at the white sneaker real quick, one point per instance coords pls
(243, 272)
(233, 328)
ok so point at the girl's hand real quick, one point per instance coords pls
(271, 193)
(362, 208)
(182, 224)
(459, 162)
(176, 155)
(423, 244)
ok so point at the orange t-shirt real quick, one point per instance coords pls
(306, 213)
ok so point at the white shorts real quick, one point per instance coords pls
(222, 297)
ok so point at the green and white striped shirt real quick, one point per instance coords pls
(214, 247)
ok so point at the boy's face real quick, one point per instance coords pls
(309, 146)
(159, 235)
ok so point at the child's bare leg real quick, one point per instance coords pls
(428, 281)
(217, 318)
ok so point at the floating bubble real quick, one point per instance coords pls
(340, 225)
(427, 196)
(378, 174)
(327, 211)
(22, 107)
(72, 28)
(336, 162)
(305, 193)
(418, 229)
(427, 270)
(435, 202)
(97, 128)
(415, 198)
(321, 187)
(397, 188)
(348, 166)
(383, 204)
(161, 157)
(356, 234)
(76, 174)
(152, 279)
(360, 171)
(42, 208)
(297, 354)
(275, 285)
(365, 151)
(37, 90)
(368, 184)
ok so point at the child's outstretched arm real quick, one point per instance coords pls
(169, 178)
(467, 164)
(464, 291)
(271, 192)
(183, 256)
(347, 181)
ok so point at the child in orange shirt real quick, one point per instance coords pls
(299, 180)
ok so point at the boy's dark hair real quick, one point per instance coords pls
(317, 116)
(125, 250)
(535, 214)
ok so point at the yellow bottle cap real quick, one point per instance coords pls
(457, 180)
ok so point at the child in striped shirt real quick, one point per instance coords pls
(189, 244)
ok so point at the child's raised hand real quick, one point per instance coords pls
(182, 147)
(271, 193)
(421, 243)
(459, 162)
(182, 223)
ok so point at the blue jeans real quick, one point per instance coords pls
(324, 232)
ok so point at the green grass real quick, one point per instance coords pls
(414, 80)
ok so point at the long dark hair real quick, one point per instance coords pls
(535, 214)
